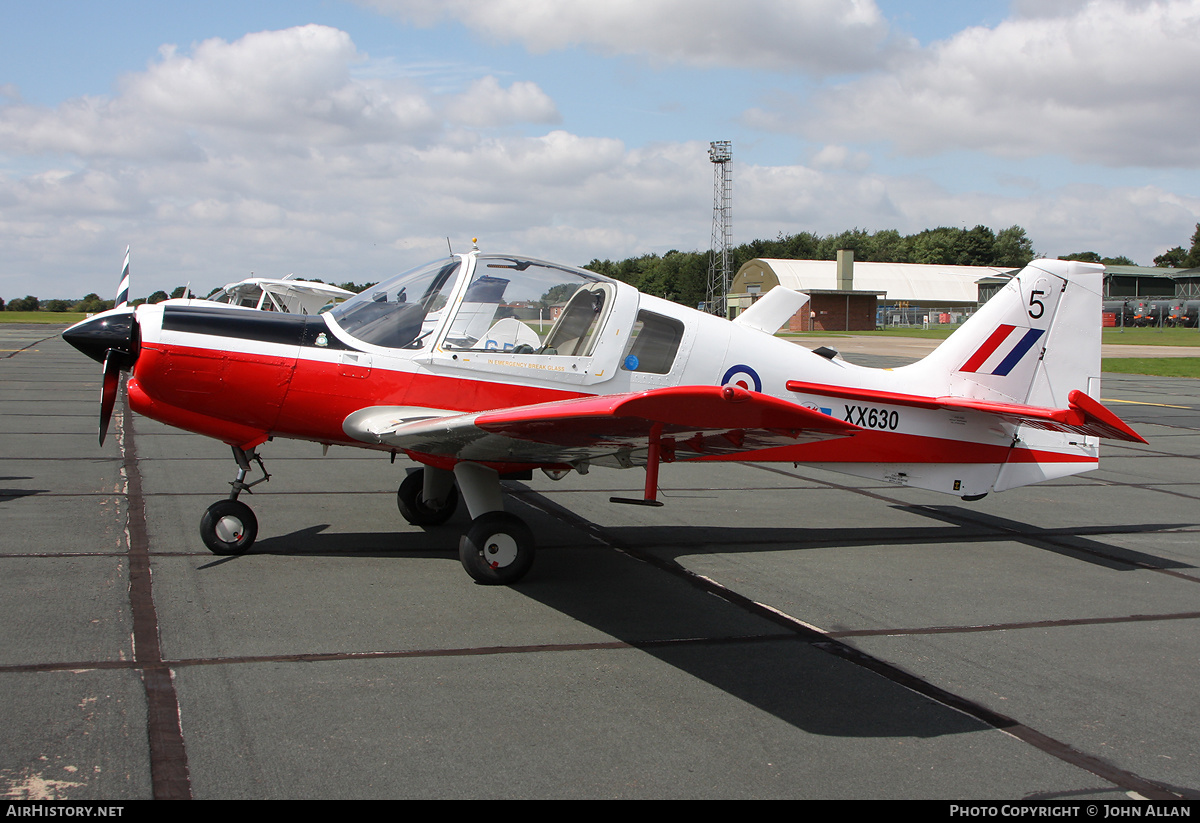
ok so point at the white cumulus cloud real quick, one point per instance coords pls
(486, 104)
(818, 36)
(280, 144)
(1106, 82)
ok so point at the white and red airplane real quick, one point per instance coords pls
(481, 366)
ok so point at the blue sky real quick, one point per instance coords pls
(347, 140)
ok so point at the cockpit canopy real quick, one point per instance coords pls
(512, 304)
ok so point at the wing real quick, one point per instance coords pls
(605, 430)
(1083, 415)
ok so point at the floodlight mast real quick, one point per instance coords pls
(720, 153)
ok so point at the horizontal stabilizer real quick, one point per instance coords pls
(772, 310)
(1084, 415)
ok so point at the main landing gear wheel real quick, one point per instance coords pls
(497, 549)
(413, 507)
(228, 527)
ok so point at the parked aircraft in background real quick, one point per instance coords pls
(283, 294)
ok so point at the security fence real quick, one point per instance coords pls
(921, 317)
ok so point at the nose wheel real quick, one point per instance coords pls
(228, 527)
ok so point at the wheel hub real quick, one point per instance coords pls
(229, 529)
(500, 550)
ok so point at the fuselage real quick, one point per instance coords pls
(482, 332)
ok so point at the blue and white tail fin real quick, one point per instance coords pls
(1033, 343)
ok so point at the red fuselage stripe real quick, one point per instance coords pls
(307, 399)
(234, 395)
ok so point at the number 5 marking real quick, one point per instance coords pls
(1033, 301)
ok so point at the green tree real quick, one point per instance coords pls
(557, 294)
(1013, 248)
(1172, 258)
(1180, 258)
(856, 240)
(976, 247)
(934, 246)
(26, 303)
(683, 277)
(157, 297)
(357, 288)
(801, 246)
(93, 303)
(1092, 257)
(605, 268)
(888, 246)
(1193, 257)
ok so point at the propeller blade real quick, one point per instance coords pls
(108, 393)
(123, 289)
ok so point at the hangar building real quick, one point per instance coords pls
(1143, 281)
(845, 295)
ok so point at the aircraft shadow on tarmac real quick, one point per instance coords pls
(13, 494)
(963, 526)
(776, 671)
(781, 672)
(1070, 541)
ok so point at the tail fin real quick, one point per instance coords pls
(1033, 343)
(1029, 361)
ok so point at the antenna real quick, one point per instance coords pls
(720, 153)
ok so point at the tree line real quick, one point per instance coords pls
(683, 276)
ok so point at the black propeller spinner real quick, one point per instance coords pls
(110, 338)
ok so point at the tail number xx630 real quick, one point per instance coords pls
(872, 418)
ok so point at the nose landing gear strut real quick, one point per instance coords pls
(229, 526)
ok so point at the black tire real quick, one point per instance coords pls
(497, 550)
(228, 527)
(413, 508)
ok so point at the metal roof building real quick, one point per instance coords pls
(1144, 281)
(931, 286)
(925, 285)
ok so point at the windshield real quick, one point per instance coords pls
(401, 312)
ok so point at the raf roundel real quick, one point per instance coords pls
(743, 376)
